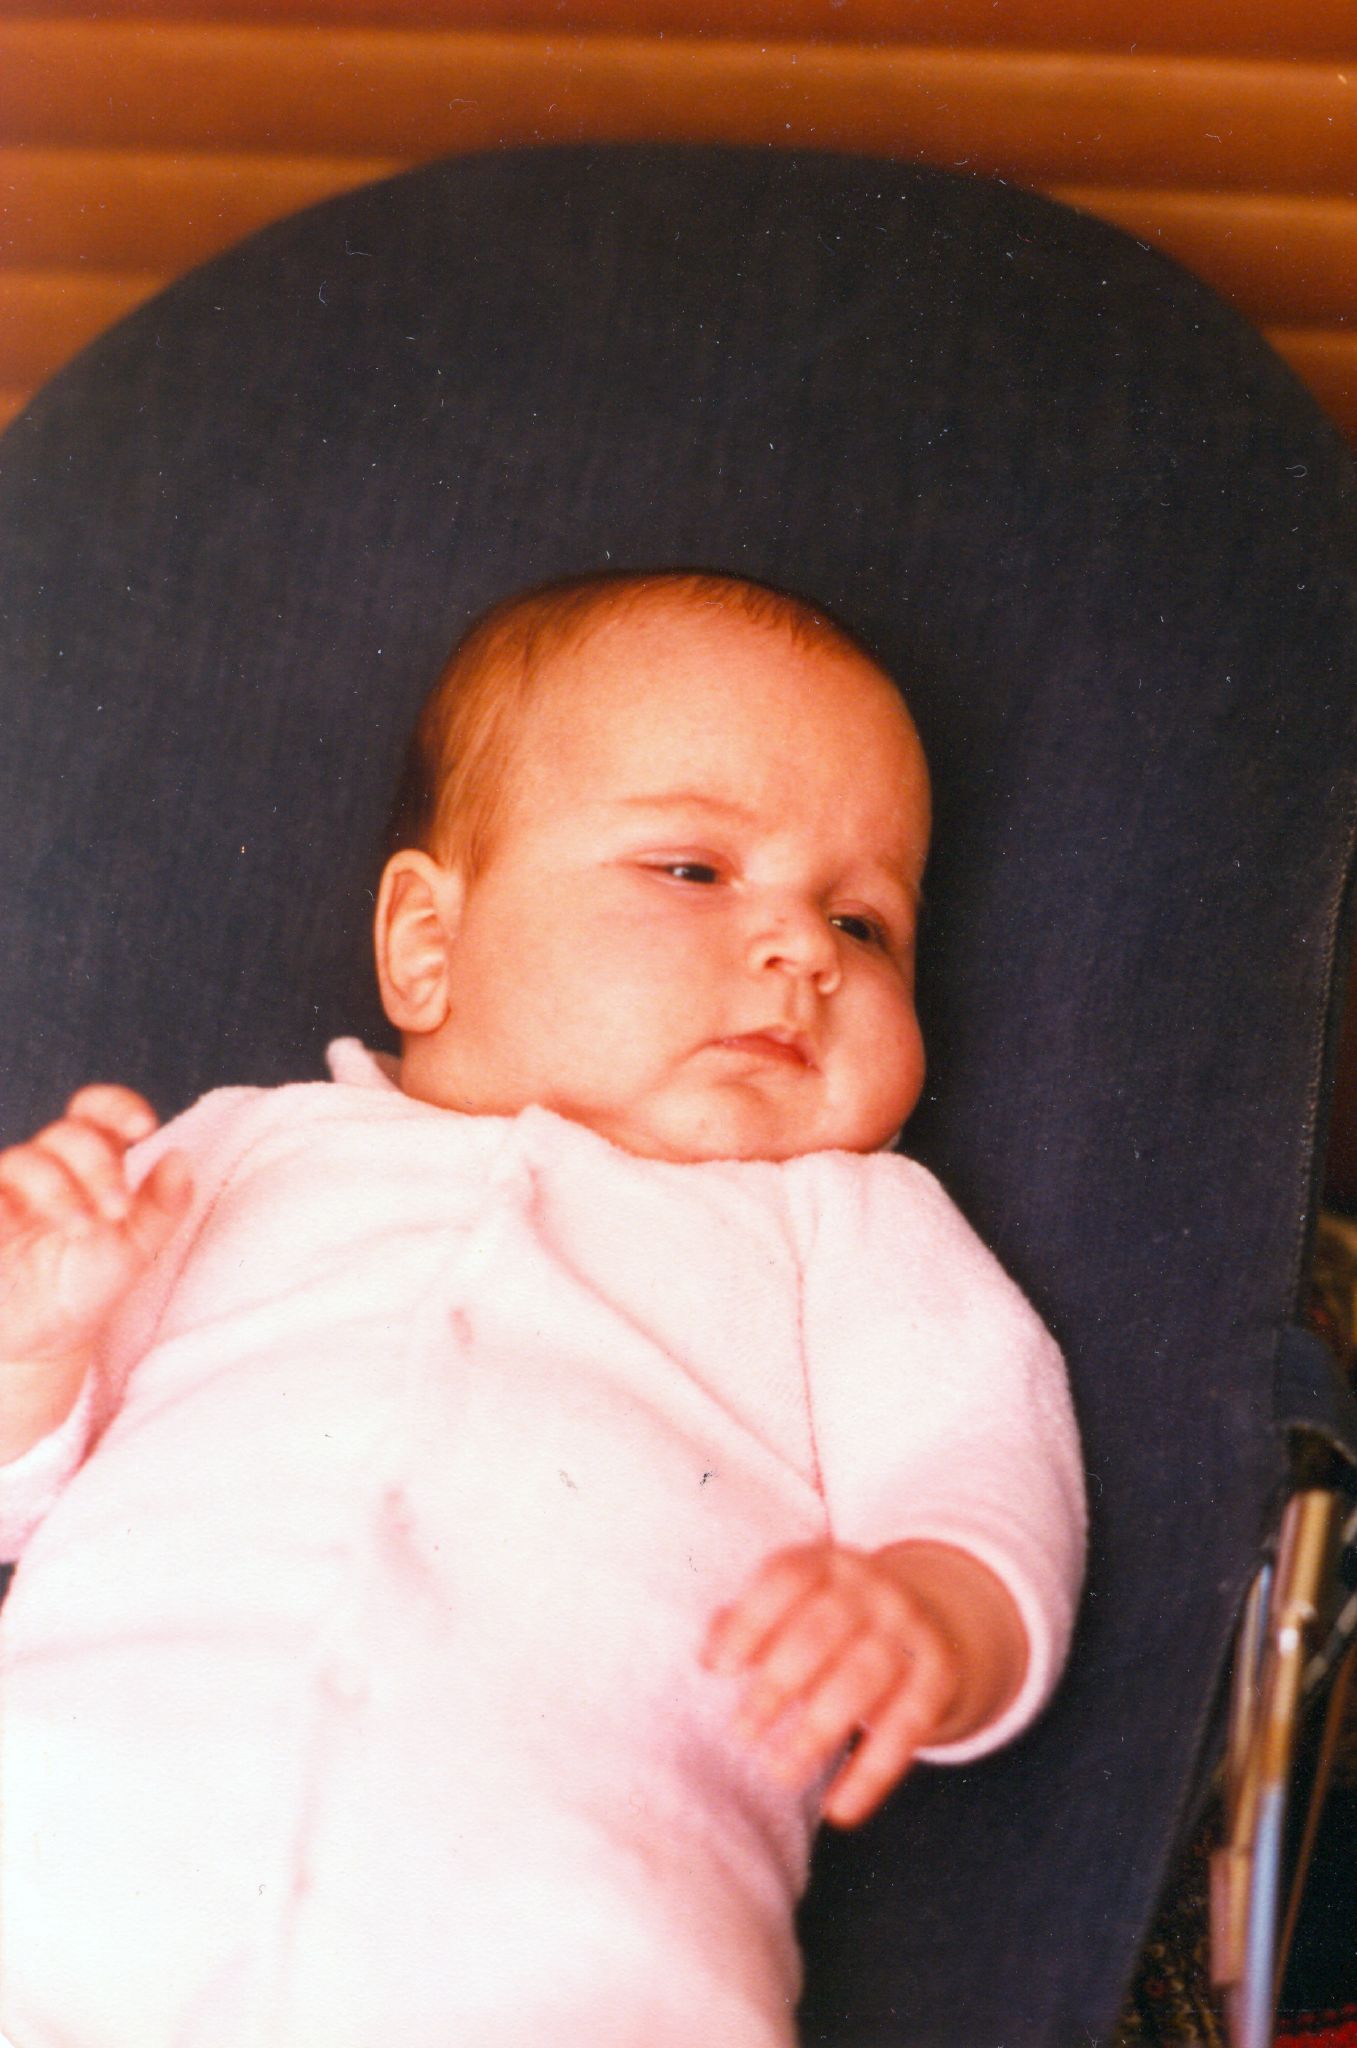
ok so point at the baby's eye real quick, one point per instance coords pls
(854, 925)
(689, 870)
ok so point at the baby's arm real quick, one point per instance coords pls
(904, 1647)
(74, 1238)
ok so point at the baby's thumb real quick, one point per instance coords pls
(161, 1202)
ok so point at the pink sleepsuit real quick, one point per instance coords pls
(349, 1687)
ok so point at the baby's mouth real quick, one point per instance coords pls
(786, 1048)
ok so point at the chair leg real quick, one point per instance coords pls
(1321, 1767)
(1286, 1609)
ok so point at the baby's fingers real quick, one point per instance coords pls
(786, 1665)
(883, 1754)
(848, 1692)
(70, 1181)
(120, 1112)
(71, 1169)
(159, 1203)
(38, 1188)
(71, 1174)
(740, 1630)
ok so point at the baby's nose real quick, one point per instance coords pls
(799, 940)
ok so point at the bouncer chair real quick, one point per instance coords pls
(1106, 543)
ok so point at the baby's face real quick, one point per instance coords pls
(695, 930)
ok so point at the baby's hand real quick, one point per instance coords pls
(836, 1643)
(74, 1237)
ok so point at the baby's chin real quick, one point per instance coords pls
(698, 1132)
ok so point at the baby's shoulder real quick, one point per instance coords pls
(209, 1126)
(237, 1130)
(887, 1213)
(226, 1118)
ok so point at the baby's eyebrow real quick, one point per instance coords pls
(685, 800)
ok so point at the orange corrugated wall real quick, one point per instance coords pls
(138, 136)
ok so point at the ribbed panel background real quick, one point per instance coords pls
(140, 136)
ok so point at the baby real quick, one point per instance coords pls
(485, 1506)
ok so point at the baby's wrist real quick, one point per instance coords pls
(977, 1618)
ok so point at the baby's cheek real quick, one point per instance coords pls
(900, 1067)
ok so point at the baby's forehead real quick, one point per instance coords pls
(705, 705)
(676, 623)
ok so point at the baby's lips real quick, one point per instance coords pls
(787, 1047)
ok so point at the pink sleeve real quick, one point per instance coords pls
(939, 1402)
(30, 1484)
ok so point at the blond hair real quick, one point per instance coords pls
(453, 791)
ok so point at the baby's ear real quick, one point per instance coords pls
(419, 905)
